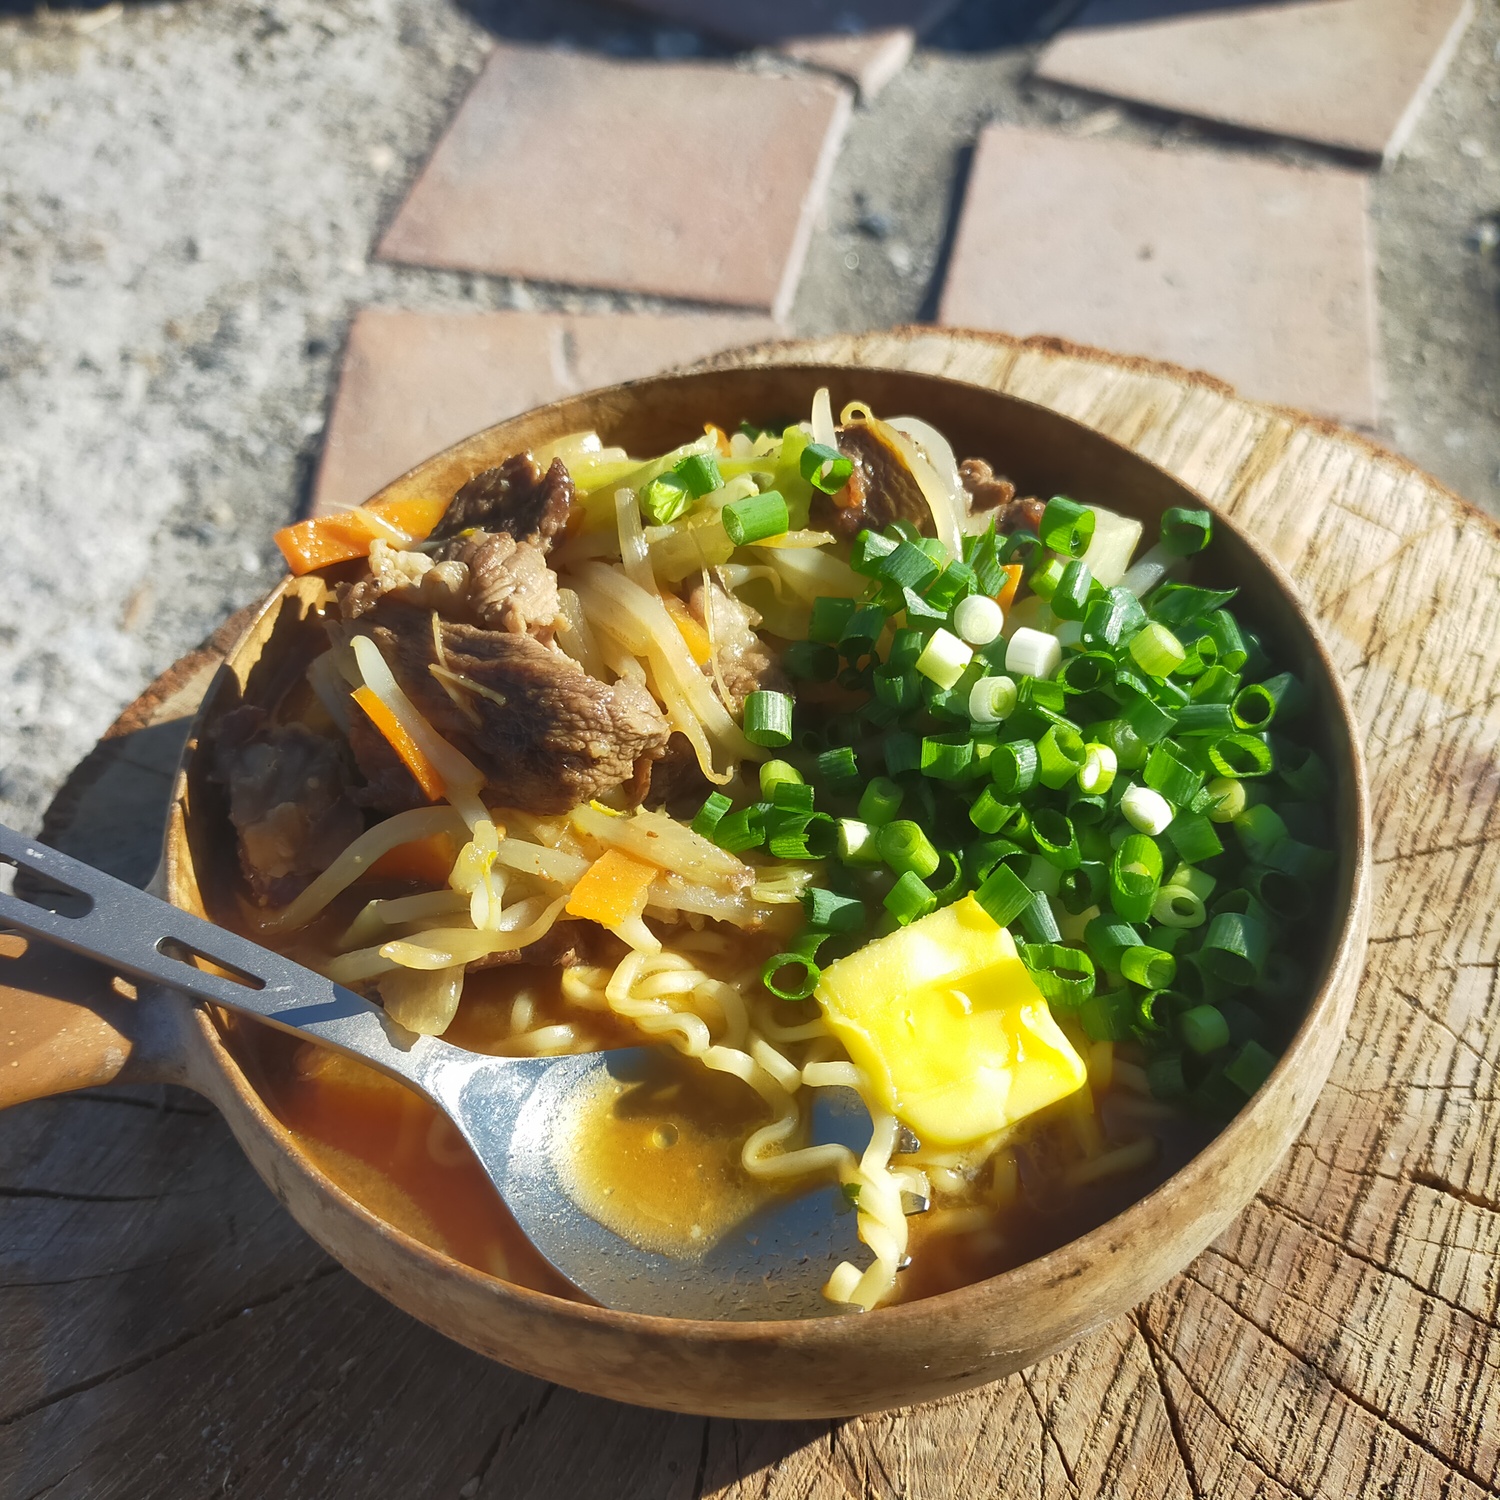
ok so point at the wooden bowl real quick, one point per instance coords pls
(894, 1356)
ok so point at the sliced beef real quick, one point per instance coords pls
(510, 587)
(987, 492)
(516, 497)
(288, 799)
(413, 577)
(881, 489)
(676, 783)
(546, 734)
(744, 661)
(389, 787)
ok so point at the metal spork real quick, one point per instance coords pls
(508, 1109)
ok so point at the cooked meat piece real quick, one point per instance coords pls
(546, 734)
(288, 800)
(517, 497)
(510, 586)
(744, 662)
(676, 782)
(881, 490)
(984, 490)
(413, 577)
(987, 492)
(389, 786)
(567, 945)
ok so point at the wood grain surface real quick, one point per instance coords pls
(166, 1330)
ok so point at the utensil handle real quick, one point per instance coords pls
(135, 933)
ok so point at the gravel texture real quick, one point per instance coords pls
(189, 194)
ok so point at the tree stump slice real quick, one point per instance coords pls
(169, 1331)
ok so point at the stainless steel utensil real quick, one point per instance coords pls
(508, 1109)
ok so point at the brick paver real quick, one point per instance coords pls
(1253, 271)
(1347, 73)
(414, 382)
(688, 180)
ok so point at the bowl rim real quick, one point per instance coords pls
(1063, 1263)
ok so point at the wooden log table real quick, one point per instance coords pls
(167, 1330)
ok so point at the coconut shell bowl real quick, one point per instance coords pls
(822, 1367)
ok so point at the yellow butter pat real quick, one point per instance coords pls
(949, 1027)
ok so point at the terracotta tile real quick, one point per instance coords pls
(1255, 272)
(414, 382)
(869, 60)
(1348, 73)
(682, 179)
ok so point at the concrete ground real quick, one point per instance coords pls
(189, 193)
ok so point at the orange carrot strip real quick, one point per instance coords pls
(612, 889)
(689, 628)
(427, 774)
(428, 860)
(1007, 595)
(324, 540)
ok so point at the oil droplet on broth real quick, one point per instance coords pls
(656, 1158)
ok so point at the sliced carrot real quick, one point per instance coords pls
(331, 539)
(427, 774)
(689, 628)
(1007, 595)
(720, 437)
(612, 889)
(428, 860)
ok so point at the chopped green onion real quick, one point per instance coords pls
(1130, 750)
(1033, 653)
(988, 813)
(1146, 810)
(1055, 838)
(1235, 947)
(711, 814)
(1193, 837)
(829, 617)
(910, 898)
(908, 567)
(839, 768)
(1037, 922)
(1165, 772)
(1164, 1077)
(700, 473)
(773, 773)
(1227, 800)
(992, 700)
(1303, 770)
(1067, 526)
(1107, 1018)
(1045, 579)
(795, 834)
(906, 647)
(1203, 1029)
(810, 661)
(831, 911)
(945, 756)
(1083, 887)
(978, 619)
(857, 842)
(1060, 756)
(1110, 620)
(1260, 828)
(755, 518)
(1148, 721)
(896, 689)
(1185, 531)
(1071, 596)
(903, 752)
(869, 547)
(1209, 719)
(1221, 626)
(825, 468)
(944, 659)
(1251, 1066)
(1148, 967)
(904, 847)
(804, 976)
(738, 831)
(768, 718)
(1258, 704)
(861, 630)
(956, 582)
(1108, 937)
(880, 801)
(1064, 975)
(1014, 767)
(1156, 650)
(1097, 774)
(1134, 877)
(1293, 857)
